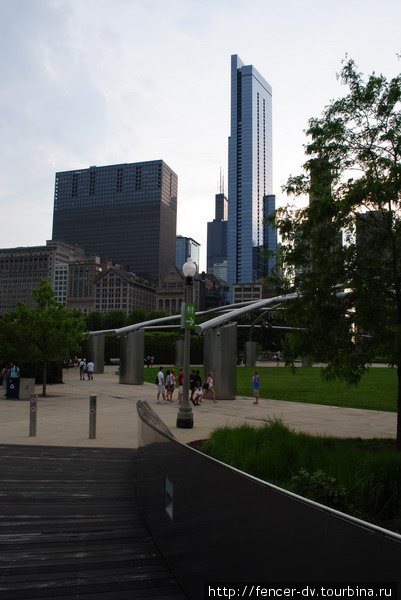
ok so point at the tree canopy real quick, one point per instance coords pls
(342, 253)
(47, 333)
(114, 319)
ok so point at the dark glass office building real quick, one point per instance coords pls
(269, 234)
(126, 213)
(217, 233)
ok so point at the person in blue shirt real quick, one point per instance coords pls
(14, 370)
(256, 386)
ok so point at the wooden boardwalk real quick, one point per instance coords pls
(70, 528)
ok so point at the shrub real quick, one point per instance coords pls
(359, 477)
(320, 487)
(380, 488)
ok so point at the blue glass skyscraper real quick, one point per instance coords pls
(249, 171)
(270, 234)
(186, 248)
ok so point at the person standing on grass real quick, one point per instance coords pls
(256, 386)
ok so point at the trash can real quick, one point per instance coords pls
(26, 387)
(13, 387)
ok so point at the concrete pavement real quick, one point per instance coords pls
(63, 416)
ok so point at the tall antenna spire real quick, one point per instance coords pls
(221, 181)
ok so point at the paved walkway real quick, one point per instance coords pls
(63, 417)
(60, 528)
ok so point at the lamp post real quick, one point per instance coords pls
(185, 419)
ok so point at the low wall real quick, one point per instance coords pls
(215, 523)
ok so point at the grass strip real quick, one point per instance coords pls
(377, 389)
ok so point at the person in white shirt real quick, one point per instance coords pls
(90, 367)
(82, 368)
(161, 389)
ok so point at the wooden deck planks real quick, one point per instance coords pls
(70, 527)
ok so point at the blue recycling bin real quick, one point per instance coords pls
(13, 387)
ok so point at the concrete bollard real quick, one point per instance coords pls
(92, 417)
(32, 415)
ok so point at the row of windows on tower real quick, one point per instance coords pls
(119, 179)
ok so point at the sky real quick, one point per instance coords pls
(100, 82)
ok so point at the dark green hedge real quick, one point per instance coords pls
(160, 345)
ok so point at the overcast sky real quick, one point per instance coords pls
(99, 82)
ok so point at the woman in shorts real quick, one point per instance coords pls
(210, 387)
(171, 385)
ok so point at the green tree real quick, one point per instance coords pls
(95, 321)
(115, 319)
(157, 314)
(47, 333)
(137, 315)
(348, 304)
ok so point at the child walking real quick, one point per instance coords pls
(256, 386)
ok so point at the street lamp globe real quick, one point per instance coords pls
(189, 268)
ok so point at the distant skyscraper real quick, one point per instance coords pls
(186, 248)
(249, 171)
(371, 227)
(217, 234)
(269, 234)
(126, 213)
(221, 207)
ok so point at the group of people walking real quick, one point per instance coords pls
(86, 368)
(167, 384)
(199, 391)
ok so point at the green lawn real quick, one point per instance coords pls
(377, 389)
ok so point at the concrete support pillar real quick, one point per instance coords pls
(132, 349)
(250, 354)
(95, 352)
(220, 356)
(179, 353)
